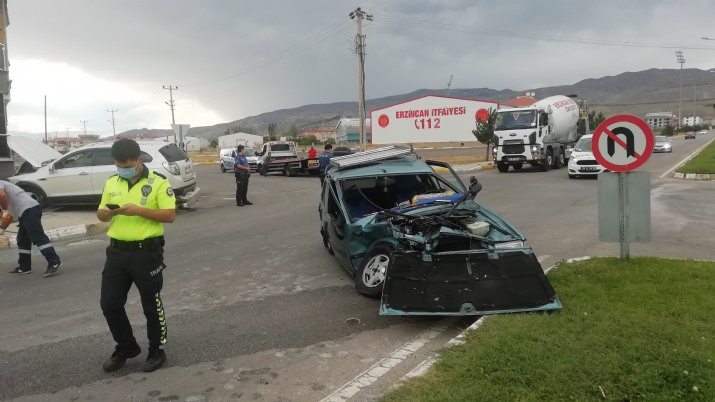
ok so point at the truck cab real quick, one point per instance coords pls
(539, 135)
(275, 151)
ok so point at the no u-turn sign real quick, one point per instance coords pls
(622, 143)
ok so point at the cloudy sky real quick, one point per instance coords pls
(233, 59)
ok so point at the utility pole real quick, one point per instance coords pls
(114, 131)
(449, 84)
(45, 119)
(84, 125)
(171, 105)
(358, 15)
(681, 59)
(67, 131)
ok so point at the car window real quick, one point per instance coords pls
(280, 147)
(333, 209)
(77, 159)
(249, 152)
(103, 157)
(173, 153)
(661, 139)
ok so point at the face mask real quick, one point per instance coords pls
(127, 173)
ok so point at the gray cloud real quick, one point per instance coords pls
(244, 58)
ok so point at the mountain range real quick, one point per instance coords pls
(630, 92)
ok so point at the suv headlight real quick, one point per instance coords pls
(172, 167)
(510, 244)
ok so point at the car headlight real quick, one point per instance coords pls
(534, 148)
(510, 244)
(666, 146)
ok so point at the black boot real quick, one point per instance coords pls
(120, 356)
(156, 358)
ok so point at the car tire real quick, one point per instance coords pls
(35, 192)
(559, 161)
(502, 167)
(370, 277)
(572, 176)
(548, 161)
(223, 168)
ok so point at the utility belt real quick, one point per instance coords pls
(151, 244)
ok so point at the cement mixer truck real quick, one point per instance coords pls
(540, 135)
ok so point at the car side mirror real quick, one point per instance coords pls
(474, 186)
(52, 168)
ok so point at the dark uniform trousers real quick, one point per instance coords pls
(127, 264)
(241, 187)
(30, 232)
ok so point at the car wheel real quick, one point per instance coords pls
(370, 277)
(326, 243)
(503, 167)
(548, 161)
(518, 166)
(223, 168)
(560, 160)
(36, 193)
(572, 176)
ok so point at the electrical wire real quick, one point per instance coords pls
(532, 36)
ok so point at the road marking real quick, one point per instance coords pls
(382, 367)
(687, 158)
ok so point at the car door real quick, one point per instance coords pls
(102, 169)
(70, 178)
(336, 223)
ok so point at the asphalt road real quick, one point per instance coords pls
(258, 310)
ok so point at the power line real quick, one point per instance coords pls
(532, 36)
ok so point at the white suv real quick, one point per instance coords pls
(78, 177)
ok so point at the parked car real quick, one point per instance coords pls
(78, 177)
(703, 132)
(690, 134)
(662, 144)
(228, 157)
(582, 162)
(419, 240)
(342, 151)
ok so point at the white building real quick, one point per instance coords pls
(193, 144)
(692, 121)
(233, 140)
(660, 119)
(428, 119)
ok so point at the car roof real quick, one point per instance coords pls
(397, 166)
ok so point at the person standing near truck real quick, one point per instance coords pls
(324, 161)
(243, 173)
(312, 152)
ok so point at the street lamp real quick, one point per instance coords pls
(681, 59)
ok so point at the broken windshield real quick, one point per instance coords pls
(515, 119)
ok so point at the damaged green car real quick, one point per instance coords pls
(418, 239)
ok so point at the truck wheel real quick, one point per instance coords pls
(503, 167)
(518, 166)
(560, 160)
(548, 161)
(286, 171)
(370, 277)
(262, 170)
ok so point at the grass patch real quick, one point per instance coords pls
(702, 163)
(636, 330)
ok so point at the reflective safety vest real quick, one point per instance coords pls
(152, 190)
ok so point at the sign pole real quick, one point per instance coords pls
(623, 215)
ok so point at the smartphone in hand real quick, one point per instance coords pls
(112, 206)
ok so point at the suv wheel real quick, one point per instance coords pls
(223, 168)
(370, 277)
(36, 193)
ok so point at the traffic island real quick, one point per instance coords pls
(699, 167)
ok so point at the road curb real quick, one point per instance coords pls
(467, 168)
(77, 231)
(694, 176)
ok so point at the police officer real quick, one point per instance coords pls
(324, 161)
(20, 205)
(243, 172)
(137, 201)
